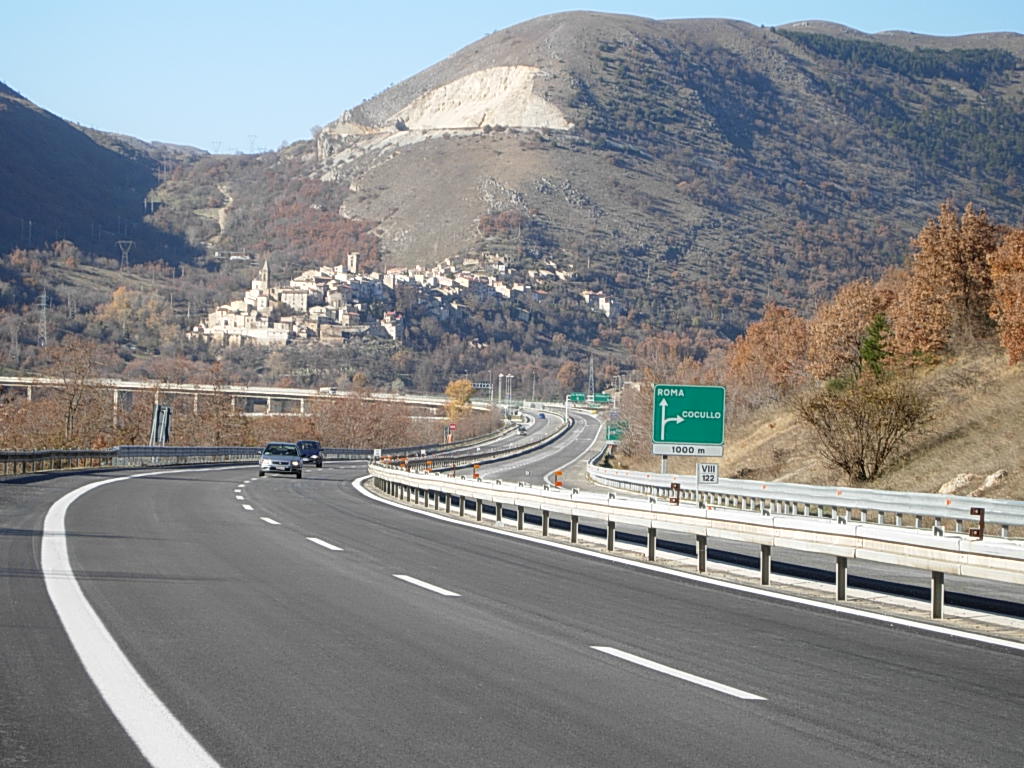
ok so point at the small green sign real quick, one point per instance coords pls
(688, 420)
(577, 397)
(614, 430)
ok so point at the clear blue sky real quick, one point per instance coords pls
(232, 76)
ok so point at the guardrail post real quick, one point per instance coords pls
(447, 503)
(611, 535)
(938, 593)
(437, 501)
(766, 564)
(574, 529)
(652, 542)
(499, 513)
(545, 520)
(520, 517)
(462, 506)
(479, 510)
(841, 565)
(702, 553)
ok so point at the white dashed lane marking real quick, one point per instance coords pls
(426, 585)
(324, 544)
(677, 673)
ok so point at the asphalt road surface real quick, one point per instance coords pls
(278, 622)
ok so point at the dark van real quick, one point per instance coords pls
(310, 452)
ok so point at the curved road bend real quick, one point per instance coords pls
(297, 623)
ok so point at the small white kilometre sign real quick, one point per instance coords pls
(707, 474)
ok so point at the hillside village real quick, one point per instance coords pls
(333, 303)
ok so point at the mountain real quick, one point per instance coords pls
(695, 169)
(59, 181)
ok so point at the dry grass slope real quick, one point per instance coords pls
(979, 411)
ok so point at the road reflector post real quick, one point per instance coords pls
(702, 553)
(430, 466)
(938, 593)
(476, 471)
(558, 478)
(674, 496)
(841, 577)
(979, 532)
(766, 564)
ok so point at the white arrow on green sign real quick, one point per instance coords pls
(688, 420)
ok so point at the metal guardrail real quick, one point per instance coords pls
(450, 461)
(993, 559)
(24, 462)
(942, 513)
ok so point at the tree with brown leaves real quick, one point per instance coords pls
(949, 292)
(838, 328)
(458, 393)
(1007, 269)
(769, 359)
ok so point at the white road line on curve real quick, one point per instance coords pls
(158, 734)
(427, 585)
(324, 544)
(239, 498)
(247, 507)
(269, 521)
(678, 673)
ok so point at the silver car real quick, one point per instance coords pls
(281, 458)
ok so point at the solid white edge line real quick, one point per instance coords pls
(269, 521)
(324, 544)
(678, 673)
(426, 585)
(158, 734)
(822, 606)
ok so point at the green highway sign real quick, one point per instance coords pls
(577, 397)
(613, 431)
(601, 397)
(688, 420)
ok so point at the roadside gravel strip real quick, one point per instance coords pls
(159, 735)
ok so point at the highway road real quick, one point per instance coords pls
(248, 621)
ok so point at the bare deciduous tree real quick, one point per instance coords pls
(861, 428)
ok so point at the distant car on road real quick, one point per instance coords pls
(541, 415)
(310, 452)
(521, 429)
(281, 458)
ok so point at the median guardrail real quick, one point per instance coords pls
(24, 462)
